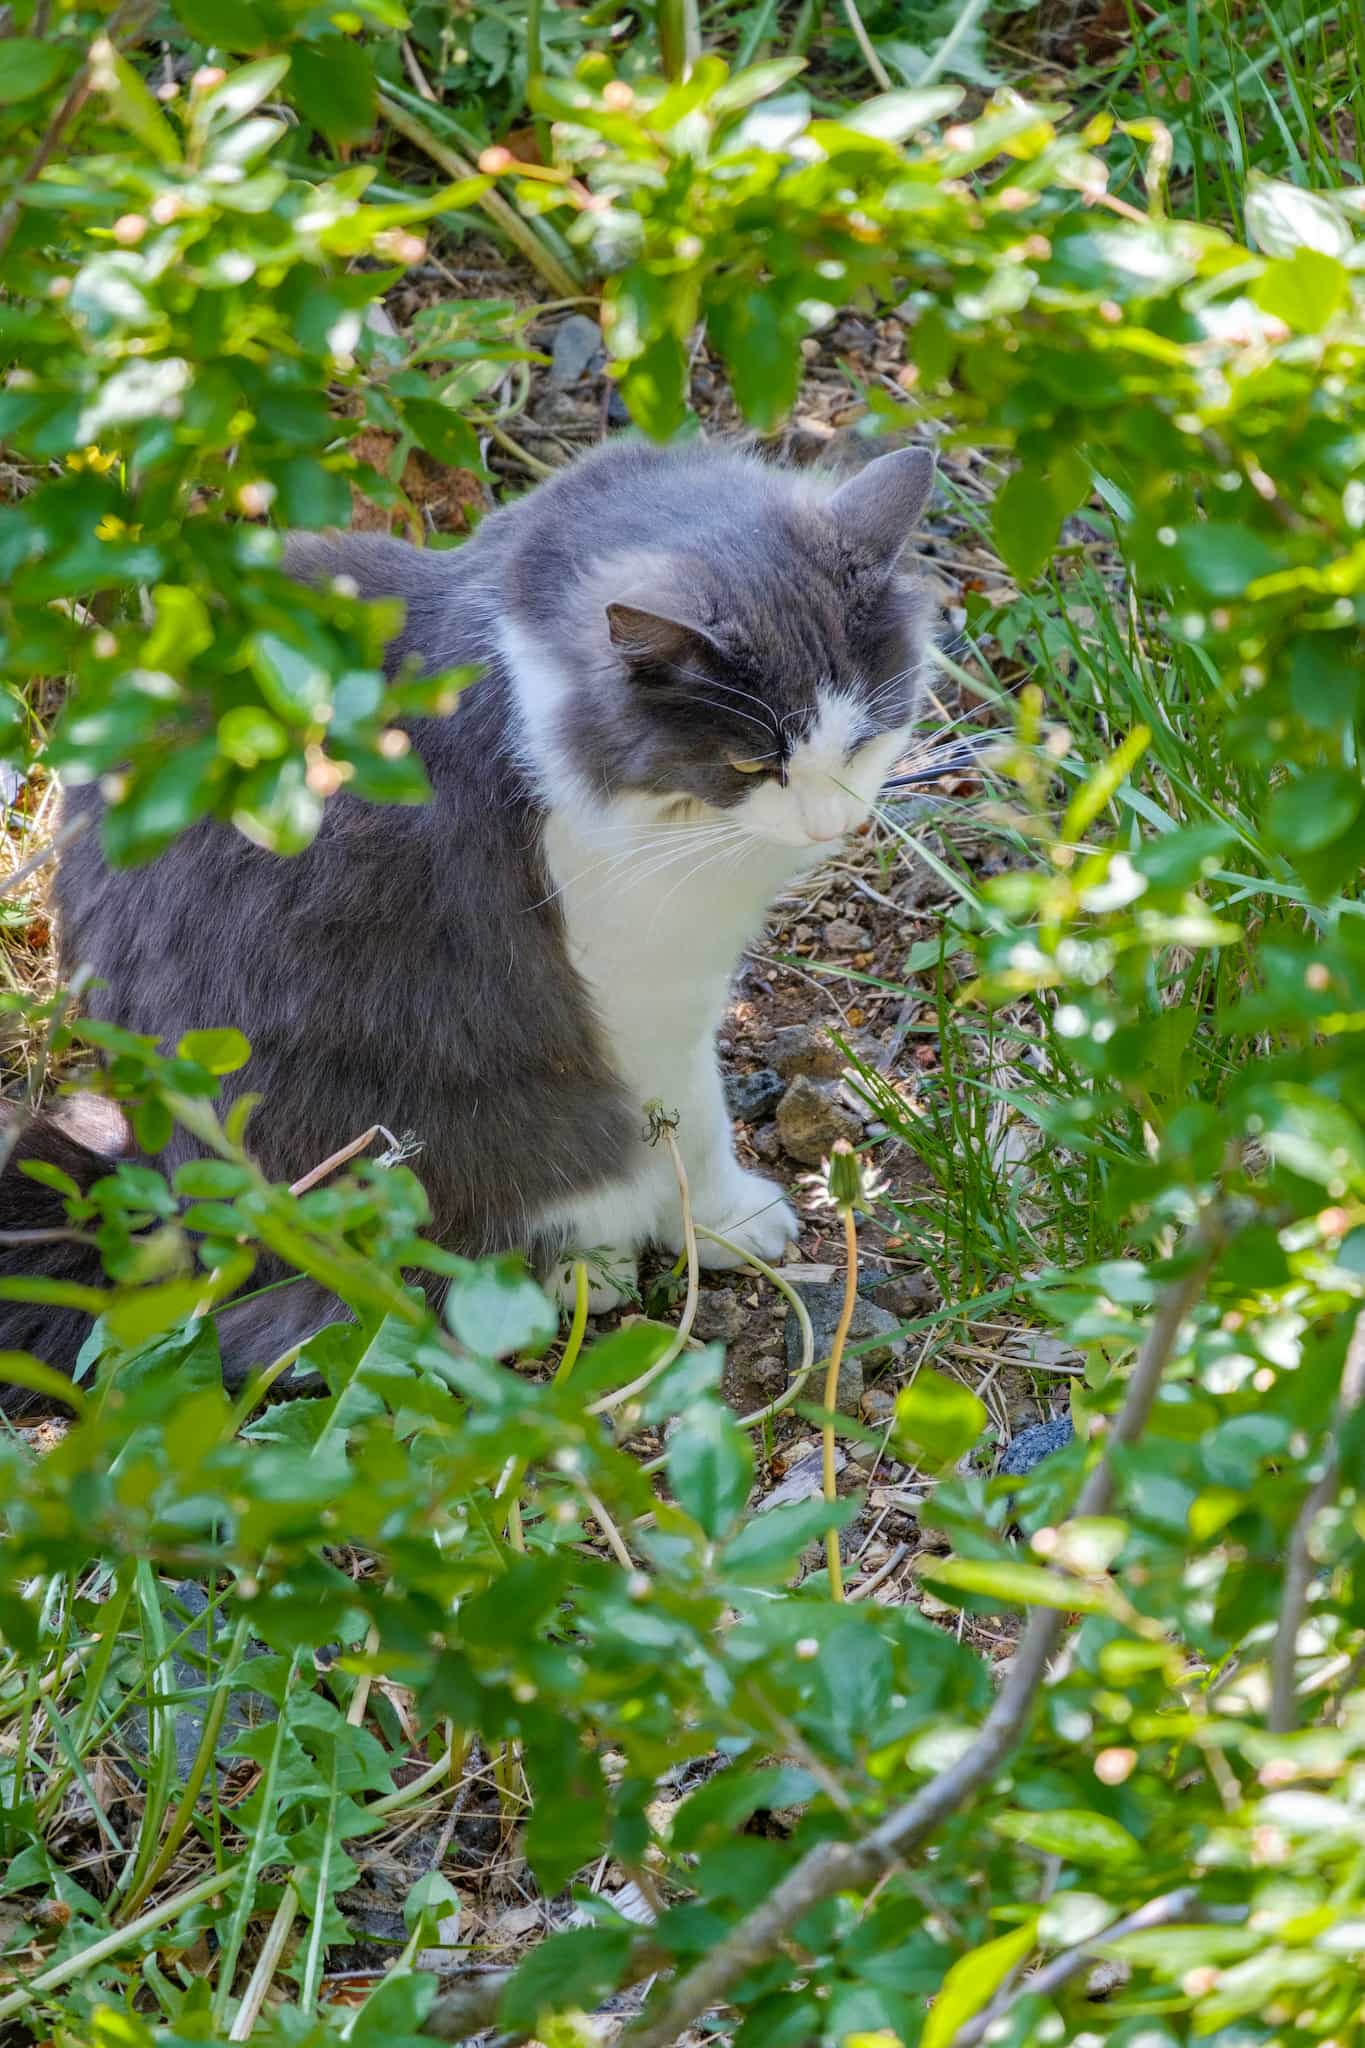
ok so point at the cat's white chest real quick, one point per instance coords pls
(655, 923)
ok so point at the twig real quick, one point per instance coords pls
(1161, 1912)
(1298, 1565)
(267, 1962)
(609, 1529)
(336, 1159)
(24, 1111)
(850, 1866)
(866, 46)
(538, 254)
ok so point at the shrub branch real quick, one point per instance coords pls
(844, 1866)
(1298, 1564)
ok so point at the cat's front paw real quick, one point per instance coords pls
(612, 1281)
(754, 1215)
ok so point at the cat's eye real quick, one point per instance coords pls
(748, 767)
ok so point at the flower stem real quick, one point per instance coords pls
(836, 1358)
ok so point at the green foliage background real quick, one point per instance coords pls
(1176, 347)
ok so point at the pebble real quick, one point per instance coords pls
(842, 935)
(752, 1097)
(805, 1049)
(809, 1121)
(1031, 1446)
(907, 1294)
(577, 348)
(720, 1316)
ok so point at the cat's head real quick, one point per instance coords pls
(764, 665)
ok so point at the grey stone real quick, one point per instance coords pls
(720, 1315)
(842, 935)
(824, 1304)
(749, 1383)
(244, 1709)
(1031, 1446)
(753, 1096)
(576, 350)
(805, 1049)
(907, 1294)
(809, 1121)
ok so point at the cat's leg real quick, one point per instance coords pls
(746, 1207)
(605, 1227)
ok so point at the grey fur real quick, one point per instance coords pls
(409, 968)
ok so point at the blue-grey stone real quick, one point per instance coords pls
(1032, 1445)
(754, 1096)
(576, 350)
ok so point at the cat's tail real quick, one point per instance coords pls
(82, 1139)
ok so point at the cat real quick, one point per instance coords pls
(697, 670)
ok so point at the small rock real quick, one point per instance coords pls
(907, 1294)
(188, 1666)
(803, 1480)
(720, 1316)
(1031, 1446)
(766, 1143)
(805, 1049)
(877, 1406)
(824, 1304)
(749, 1383)
(752, 1097)
(576, 349)
(809, 1122)
(842, 935)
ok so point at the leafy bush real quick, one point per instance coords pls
(1175, 1780)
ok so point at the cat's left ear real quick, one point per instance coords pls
(652, 638)
(875, 511)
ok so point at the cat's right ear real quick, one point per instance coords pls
(652, 639)
(876, 510)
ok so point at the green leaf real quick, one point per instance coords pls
(224, 24)
(1282, 219)
(1219, 558)
(1017, 1585)
(770, 1543)
(28, 66)
(1313, 809)
(443, 433)
(569, 1971)
(222, 1051)
(241, 93)
(710, 1468)
(498, 1308)
(1305, 290)
(938, 1417)
(1091, 798)
(762, 352)
(19, 1369)
(1073, 1832)
(973, 1981)
(133, 1318)
(733, 1796)
(331, 79)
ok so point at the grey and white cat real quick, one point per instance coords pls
(698, 671)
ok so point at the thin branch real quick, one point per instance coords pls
(1181, 1905)
(1298, 1564)
(852, 1866)
(518, 231)
(866, 46)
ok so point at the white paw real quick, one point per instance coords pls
(612, 1281)
(754, 1215)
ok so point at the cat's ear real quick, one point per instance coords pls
(653, 638)
(875, 511)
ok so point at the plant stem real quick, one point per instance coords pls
(574, 1343)
(678, 26)
(99, 1951)
(865, 44)
(836, 1359)
(674, 1348)
(518, 231)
